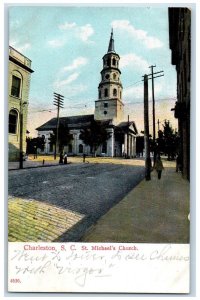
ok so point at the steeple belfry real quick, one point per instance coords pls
(109, 104)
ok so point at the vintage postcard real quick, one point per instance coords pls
(99, 148)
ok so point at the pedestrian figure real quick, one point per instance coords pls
(84, 156)
(65, 158)
(178, 163)
(35, 152)
(159, 166)
(61, 158)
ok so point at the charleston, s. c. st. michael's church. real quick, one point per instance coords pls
(109, 109)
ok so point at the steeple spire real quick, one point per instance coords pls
(111, 47)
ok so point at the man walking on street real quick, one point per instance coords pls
(159, 166)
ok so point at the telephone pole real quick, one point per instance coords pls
(153, 106)
(158, 124)
(21, 134)
(146, 131)
(58, 101)
(127, 155)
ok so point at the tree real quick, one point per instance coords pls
(32, 144)
(95, 135)
(168, 141)
(64, 136)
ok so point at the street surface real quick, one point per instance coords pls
(86, 190)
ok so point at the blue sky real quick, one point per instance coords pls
(66, 45)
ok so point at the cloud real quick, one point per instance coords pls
(133, 93)
(67, 26)
(132, 60)
(73, 90)
(85, 32)
(56, 43)
(71, 78)
(149, 41)
(77, 62)
(20, 47)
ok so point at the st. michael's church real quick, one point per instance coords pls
(109, 109)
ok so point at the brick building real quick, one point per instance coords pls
(18, 93)
(180, 45)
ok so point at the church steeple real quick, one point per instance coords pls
(111, 47)
(109, 105)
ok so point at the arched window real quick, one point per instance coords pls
(13, 118)
(114, 61)
(106, 93)
(108, 62)
(80, 148)
(114, 76)
(120, 95)
(114, 92)
(99, 94)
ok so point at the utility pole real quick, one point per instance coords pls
(153, 107)
(21, 135)
(158, 124)
(58, 101)
(146, 131)
(21, 140)
(128, 139)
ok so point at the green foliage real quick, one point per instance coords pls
(64, 137)
(168, 141)
(95, 135)
(35, 143)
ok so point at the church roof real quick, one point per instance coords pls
(125, 125)
(72, 122)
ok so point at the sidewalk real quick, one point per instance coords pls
(30, 163)
(155, 211)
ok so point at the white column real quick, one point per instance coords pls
(131, 146)
(110, 143)
(125, 144)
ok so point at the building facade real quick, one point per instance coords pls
(108, 110)
(18, 93)
(180, 45)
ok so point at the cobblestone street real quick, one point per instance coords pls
(59, 203)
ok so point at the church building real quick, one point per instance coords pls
(109, 109)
